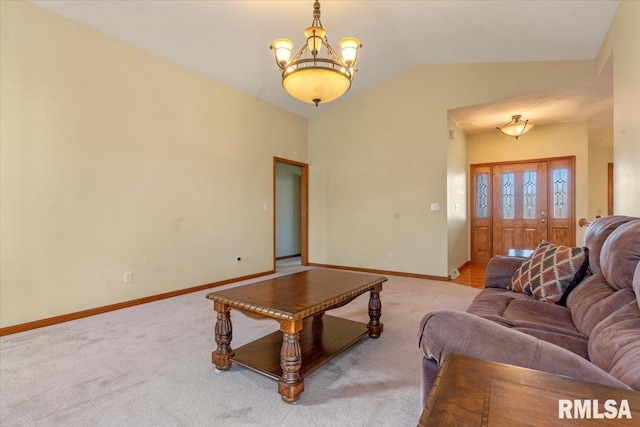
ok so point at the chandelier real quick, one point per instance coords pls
(516, 127)
(310, 77)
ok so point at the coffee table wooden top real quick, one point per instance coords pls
(477, 392)
(300, 295)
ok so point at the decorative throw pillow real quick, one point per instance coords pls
(550, 272)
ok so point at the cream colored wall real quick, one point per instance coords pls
(600, 155)
(571, 139)
(457, 196)
(623, 42)
(379, 159)
(115, 160)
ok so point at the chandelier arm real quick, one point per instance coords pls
(297, 55)
(331, 53)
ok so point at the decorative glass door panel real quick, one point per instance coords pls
(520, 206)
(481, 239)
(561, 222)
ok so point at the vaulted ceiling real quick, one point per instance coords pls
(229, 42)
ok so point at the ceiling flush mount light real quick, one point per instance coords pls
(316, 73)
(516, 127)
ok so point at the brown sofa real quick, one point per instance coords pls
(596, 337)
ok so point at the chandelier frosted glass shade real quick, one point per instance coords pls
(516, 127)
(310, 77)
(316, 84)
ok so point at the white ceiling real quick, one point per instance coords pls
(229, 41)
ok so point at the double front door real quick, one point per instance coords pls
(515, 206)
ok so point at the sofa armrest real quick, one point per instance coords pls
(444, 332)
(500, 270)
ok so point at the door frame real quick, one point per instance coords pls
(490, 165)
(304, 208)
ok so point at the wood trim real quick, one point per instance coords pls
(304, 216)
(304, 209)
(511, 162)
(126, 304)
(291, 162)
(287, 256)
(375, 271)
(464, 265)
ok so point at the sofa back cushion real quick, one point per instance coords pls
(620, 254)
(594, 300)
(614, 345)
(597, 233)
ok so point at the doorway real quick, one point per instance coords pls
(517, 205)
(290, 212)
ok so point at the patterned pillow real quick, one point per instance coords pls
(550, 272)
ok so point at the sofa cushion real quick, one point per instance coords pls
(577, 344)
(614, 345)
(597, 233)
(547, 317)
(550, 271)
(594, 300)
(443, 332)
(620, 254)
(491, 304)
(549, 322)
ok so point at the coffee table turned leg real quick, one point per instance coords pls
(291, 384)
(375, 310)
(223, 335)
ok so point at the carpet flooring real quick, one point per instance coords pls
(150, 365)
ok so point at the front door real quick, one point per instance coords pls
(518, 205)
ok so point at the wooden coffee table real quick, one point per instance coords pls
(309, 338)
(474, 392)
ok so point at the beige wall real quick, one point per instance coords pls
(457, 196)
(571, 139)
(115, 160)
(379, 160)
(600, 155)
(623, 42)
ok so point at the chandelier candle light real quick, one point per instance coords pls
(310, 77)
(516, 127)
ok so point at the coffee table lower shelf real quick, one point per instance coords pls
(321, 339)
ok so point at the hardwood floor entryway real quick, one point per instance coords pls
(472, 275)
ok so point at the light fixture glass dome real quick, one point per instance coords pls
(315, 84)
(516, 127)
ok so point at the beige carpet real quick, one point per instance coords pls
(150, 365)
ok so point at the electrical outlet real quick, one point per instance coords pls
(128, 277)
(238, 259)
(389, 255)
